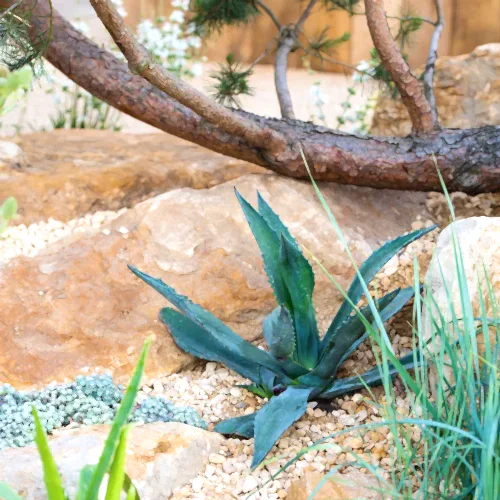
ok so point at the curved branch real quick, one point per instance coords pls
(428, 76)
(408, 86)
(468, 159)
(140, 62)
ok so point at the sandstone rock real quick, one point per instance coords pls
(467, 91)
(76, 307)
(69, 173)
(479, 241)
(352, 485)
(11, 157)
(161, 457)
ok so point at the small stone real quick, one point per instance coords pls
(249, 484)
(215, 458)
(354, 443)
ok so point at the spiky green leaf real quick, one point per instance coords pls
(279, 333)
(370, 378)
(275, 417)
(239, 426)
(51, 476)
(368, 270)
(117, 470)
(269, 244)
(226, 343)
(299, 280)
(350, 335)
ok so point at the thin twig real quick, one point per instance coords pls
(140, 62)
(265, 53)
(428, 76)
(285, 46)
(269, 12)
(9, 10)
(304, 15)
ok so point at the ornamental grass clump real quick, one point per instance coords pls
(299, 366)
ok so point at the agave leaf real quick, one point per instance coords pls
(279, 333)
(239, 426)
(119, 422)
(267, 377)
(350, 335)
(275, 417)
(229, 349)
(269, 244)
(219, 332)
(259, 390)
(274, 221)
(371, 377)
(368, 270)
(299, 279)
(130, 489)
(7, 493)
(51, 476)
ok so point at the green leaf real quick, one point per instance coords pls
(9, 208)
(299, 279)
(275, 417)
(117, 471)
(119, 422)
(369, 378)
(350, 335)
(274, 221)
(237, 354)
(279, 333)
(239, 426)
(7, 493)
(261, 391)
(368, 270)
(51, 476)
(83, 484)
(269, 244)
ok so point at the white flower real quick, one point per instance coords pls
(119, 7)
(197, 69)
(177, 16)
(81, 26)
(180, 4)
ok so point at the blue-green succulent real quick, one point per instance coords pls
(300, 365)
(89, 400)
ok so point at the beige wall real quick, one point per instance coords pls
(467, 24)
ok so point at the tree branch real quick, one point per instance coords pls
(408, 86)
(428, 76)
(269, 12)
(140, 62)
(285, 46)
(305, 14)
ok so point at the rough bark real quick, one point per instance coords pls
(407, 84)
(469, 159)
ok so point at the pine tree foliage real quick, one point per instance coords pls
(213, 15)
(17, 49)
(231, 82)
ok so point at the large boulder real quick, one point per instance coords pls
(76, 307)
(479, 241)
(160, 457)
(467, 92)
(65, 174)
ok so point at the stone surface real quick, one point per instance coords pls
(69, 173)
(75, 307)
(351, 485)
(479, 241)
(467, 89)
(11, 157)
(160, 458)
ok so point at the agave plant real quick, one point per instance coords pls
(299, 366)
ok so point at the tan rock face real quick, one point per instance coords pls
(467, 92)
(479, 241)
(352, 485)
(76, 307)
(160, 457)
(68, 173)
(11, 157)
